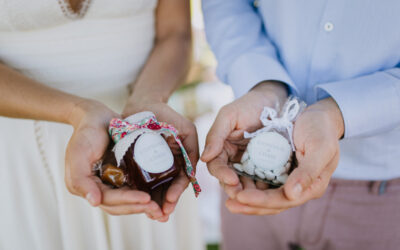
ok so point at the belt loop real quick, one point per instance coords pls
(377, 187)
(382, 187)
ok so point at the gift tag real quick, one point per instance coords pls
(269, 151)
(152, 153)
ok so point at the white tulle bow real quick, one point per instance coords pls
(270, 120)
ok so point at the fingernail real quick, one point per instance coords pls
(206, 150)
(90, 199)
(297, 190)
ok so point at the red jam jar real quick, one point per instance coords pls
(149, 162)
(145, 160)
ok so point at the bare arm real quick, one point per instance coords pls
(21, 97)
(165, 71)
(168, 63)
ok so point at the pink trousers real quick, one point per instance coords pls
(351, 215)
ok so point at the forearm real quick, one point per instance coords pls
(21, 97)
(332, 114)
(168, 63)
(165, 69)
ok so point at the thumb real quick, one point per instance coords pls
(80, 181)
(311, 164)
(88, 189)
(223, 125)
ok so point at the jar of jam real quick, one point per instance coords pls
(149, 162)
(143, 157)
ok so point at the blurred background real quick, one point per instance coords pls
(199, 100)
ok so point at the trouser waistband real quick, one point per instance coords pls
(374, 187)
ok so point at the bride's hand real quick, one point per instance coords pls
(188, 135)
(87, 145)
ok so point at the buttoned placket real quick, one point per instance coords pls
(320, 53)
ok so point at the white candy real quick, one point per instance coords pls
(287, 166)
(269, 151)
(279, 171)
(269, 175)
(282, 178)
(259, 173)
(245, 156)
(268, 156)
(249, 167)
(238, 167)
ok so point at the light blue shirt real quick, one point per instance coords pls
(346, 49)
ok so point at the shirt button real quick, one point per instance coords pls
(328, 26)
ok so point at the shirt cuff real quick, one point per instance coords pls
(250, 69)
(369, 104)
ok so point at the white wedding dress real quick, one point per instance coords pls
(95, 53)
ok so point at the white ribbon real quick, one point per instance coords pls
(269, 118)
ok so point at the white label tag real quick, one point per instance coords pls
(269, 151)
(152, 153)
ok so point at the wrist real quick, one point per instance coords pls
(141, 102)
(330, 107)
(273, 92)
(142, 92)
(148, 97)
(81, 109)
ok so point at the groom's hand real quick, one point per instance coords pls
(316, 135)
(224, 143)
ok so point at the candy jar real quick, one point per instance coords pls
(141, 158)
(269, 155)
